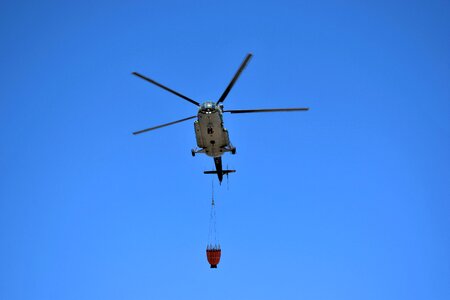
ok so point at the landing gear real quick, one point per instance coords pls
(228, 148)
(198, 150)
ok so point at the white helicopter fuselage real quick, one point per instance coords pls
(212, 137)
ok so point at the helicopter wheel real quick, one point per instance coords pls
(193, 152)
(233, 151)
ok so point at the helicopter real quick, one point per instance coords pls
(211, 135)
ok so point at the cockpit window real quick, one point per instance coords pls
(208, 107)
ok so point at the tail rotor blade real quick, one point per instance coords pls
(235, 78)
(163, 125)
(166, 88)
(245, 111)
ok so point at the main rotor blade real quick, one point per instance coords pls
(235, 78)
(245, 111)
(166, 88)
(163, 125)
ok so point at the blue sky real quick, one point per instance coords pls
(346, 201)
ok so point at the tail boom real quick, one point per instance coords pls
(219, 171)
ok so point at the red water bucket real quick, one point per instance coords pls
(213, 255)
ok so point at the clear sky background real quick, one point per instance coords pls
(347, 201)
